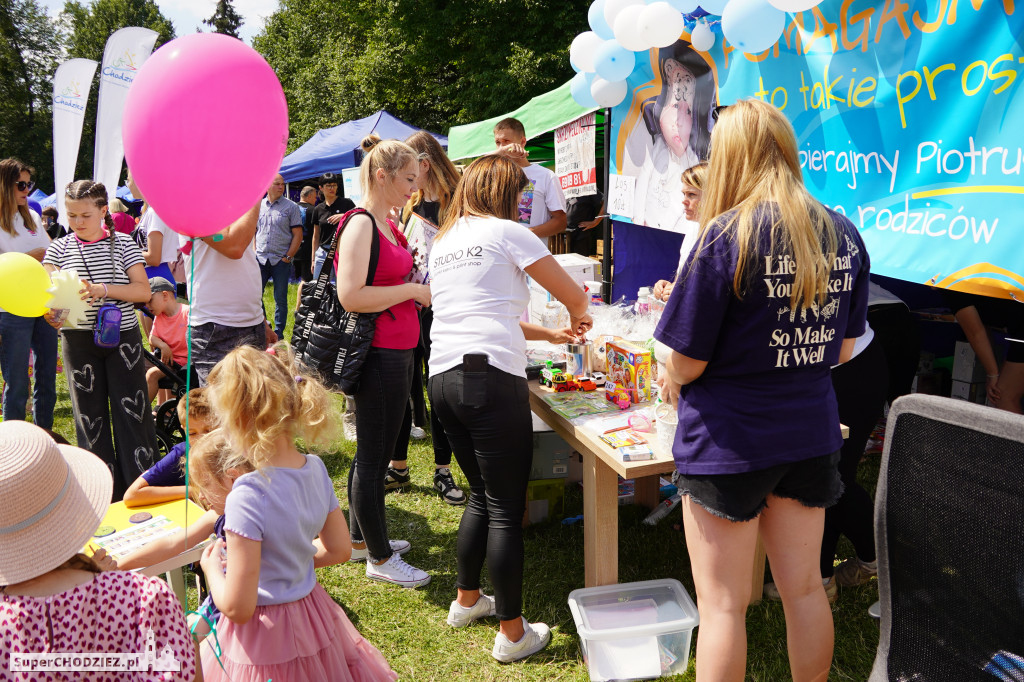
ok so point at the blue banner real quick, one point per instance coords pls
(908, 117)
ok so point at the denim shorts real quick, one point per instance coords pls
(812, 482)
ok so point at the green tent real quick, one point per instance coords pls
(540, 115)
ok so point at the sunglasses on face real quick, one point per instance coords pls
(24, 186)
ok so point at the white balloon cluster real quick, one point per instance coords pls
(605, 55)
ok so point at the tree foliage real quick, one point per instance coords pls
(90, 26)
(29, 53)
(433, 63)
(225, 19)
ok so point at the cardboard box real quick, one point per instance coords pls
(580, 268)
(971, 392)
(966, 367)
(550, 456)
(544, 500)
(629, 366)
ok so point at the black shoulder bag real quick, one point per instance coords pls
(327, 338)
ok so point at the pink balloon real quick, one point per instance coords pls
(205, 129)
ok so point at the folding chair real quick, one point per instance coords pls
(949, 527)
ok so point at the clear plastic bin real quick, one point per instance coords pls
(634, 631)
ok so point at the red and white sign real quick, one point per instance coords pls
(575, 163)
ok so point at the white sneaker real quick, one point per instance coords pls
(460, 616)
(396, 571)
(416, 433)
(535, 637)
(397, 546)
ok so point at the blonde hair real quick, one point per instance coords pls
(440, 180)
(117, 206)
(696, 176)
(90, 189)
(198, 406)
(259, 397)
(389, 155)
(210, 459)
(10, 174)
(489, 187)
(755, 169)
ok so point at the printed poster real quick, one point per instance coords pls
(575, 160)
(420, 234)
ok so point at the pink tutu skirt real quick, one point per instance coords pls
(306, 640)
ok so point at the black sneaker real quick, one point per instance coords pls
(445, 485)
(395, 479)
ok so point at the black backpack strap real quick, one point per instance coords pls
(371, 270)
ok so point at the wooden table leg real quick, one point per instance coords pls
(646, 491)
(757, 583)
(600, 522)
(176, 579)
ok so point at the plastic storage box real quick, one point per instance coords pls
(634, 631)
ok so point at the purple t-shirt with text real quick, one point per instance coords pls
(766, 396)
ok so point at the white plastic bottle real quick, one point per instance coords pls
(643, 301)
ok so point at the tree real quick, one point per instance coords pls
(433, 63)
(89, 27)
(29, 50)
(225, 19)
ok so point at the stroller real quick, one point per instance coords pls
(169, 429)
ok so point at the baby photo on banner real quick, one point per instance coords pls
(666, 129)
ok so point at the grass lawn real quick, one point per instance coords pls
(408, 626)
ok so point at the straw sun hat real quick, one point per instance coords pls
(52, 499)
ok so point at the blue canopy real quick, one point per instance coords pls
(37, 195)
(337, 148)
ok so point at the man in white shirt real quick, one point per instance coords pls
(226, 294)
(542, 205)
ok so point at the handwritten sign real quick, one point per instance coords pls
(620, 195)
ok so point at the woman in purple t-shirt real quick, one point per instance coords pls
(771, 297)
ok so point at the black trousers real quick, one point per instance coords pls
(382, 404)
(486, 417)
(108, 389)
(861, 386)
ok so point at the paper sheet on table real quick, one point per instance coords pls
(626, 659)
(621, 191)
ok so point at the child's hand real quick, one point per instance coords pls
(104, 561)
(214, 561)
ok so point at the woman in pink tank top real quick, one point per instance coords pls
(388, 175)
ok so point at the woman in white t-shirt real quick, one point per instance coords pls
(478, 267)
(21, 231)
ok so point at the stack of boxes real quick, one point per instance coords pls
(580, 268)
(545, 493)
(968, 375)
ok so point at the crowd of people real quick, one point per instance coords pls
(758, 447)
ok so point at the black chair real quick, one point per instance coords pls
(949, 527)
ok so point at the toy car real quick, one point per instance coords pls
(586, 384)
(548, 374)
(560, 382)
(617, 396)
(598, 378)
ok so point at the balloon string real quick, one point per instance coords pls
(188, 386)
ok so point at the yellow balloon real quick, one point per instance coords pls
(23, 285)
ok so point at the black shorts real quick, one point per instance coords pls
(812, 482)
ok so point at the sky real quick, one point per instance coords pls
(186, 15)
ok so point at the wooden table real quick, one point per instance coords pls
(182, 513)
(601, 468)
